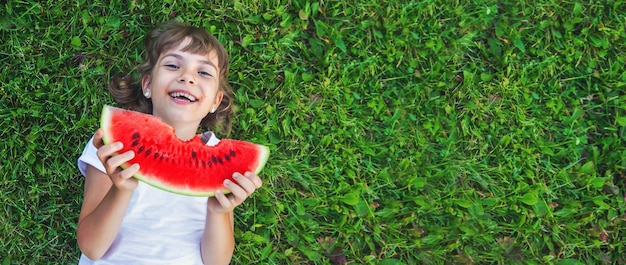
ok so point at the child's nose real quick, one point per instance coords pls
(186, 78)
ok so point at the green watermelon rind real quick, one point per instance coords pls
(107, 111)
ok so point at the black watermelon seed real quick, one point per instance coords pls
(214, 159)
(135, 143)
(140, 149)
(148, 152)
(227, 157)
(220, 160)
(135, 135)
(156, 154)
(232, 153)
(193, 154)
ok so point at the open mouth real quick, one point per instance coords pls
(183, 96)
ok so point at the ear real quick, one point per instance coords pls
(218, 99)
(146, 81)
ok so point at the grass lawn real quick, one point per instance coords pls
(402, 132)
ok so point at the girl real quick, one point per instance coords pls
(123, 221)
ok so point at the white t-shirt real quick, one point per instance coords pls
(159, 227)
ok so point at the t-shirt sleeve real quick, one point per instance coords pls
(213, 140)
(89, 157)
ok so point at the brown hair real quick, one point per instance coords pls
(163, 37)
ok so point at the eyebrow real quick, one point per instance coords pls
(180, 57)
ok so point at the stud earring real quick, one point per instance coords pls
(147, 93)
(213, 110)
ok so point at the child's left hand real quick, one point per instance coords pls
(246, 184)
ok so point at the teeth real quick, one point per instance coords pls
(183, 95)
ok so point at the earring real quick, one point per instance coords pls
(147, 93)
(213, 110)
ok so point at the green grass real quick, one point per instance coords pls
(424, 132)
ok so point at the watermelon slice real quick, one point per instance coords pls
(184, 167)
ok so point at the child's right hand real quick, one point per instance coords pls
(122, 178)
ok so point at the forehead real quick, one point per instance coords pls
(186, 46)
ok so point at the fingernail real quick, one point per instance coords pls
(227, 181)
(249, 174)
(236, 176)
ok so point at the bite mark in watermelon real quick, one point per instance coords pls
(184, 167)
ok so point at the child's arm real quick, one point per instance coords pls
(218, 242)
(106, 198)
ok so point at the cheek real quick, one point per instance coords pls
(160, 82)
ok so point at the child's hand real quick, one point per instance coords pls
(122, 179)
(246, 184)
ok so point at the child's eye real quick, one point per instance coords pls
(172, 66)
(204, 73)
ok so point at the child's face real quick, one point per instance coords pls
(183, 86)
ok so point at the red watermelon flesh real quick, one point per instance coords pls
(184, 167)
